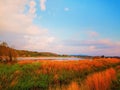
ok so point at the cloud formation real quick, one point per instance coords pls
(43, 5)
(32, 5)
(17, 27)
(66, 9)
(94, 47)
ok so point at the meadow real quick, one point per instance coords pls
(98, 74)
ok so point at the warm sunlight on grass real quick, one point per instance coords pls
(100, 81)
(59, 44)
(41, 74)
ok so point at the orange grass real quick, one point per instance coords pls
(45, 73)
(51, 66)
(101, 80)
(68, 70)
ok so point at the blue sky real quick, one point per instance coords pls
(101, 15)
(89, 27)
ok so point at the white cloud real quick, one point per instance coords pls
(17, 27)
(66, 9)
(32, 6)
(13, 19)
(92, 47)
(92, 34)
(38, 42)
(43, 5)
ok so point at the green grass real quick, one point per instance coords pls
(116, 84)
(25, 77)
(22, 76)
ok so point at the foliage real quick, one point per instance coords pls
(7, 54)
(25, 53)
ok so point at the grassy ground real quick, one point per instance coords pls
(116, 84)
(42, 74)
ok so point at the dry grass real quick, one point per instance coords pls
(30, 74)
(101, 80)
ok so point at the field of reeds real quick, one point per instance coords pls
(99, 74)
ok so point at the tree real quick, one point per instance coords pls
(4, 44)
(7, 54)
(102, 56)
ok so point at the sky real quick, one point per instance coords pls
(86, 27)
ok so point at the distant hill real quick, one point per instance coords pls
(25, 53)
(82, 56)
(6, 51)
(102, 56)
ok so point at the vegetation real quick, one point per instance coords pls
(40, 75)
(11, 53)
(7, 54)
(100, 81)
(116, 84)
(25, 53)
(99, 73)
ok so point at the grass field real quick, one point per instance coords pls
(99, 74)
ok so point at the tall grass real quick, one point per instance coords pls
(100, 81)
(42, 74)
(116, 84)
